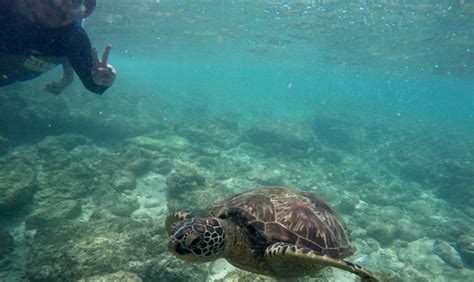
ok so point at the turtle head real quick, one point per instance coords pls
(197, 239)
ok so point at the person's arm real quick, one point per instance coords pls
(66, 79)
(6, 6)
(79, 54)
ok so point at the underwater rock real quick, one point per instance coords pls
(151, 203)
(390, 213)
(67, 142)
(281, 137)
(382, 231)
(454, 182)
(56, 213)
(411, 274)
(415, 170)
(420, 255)
(347, 205)
(179, 187)
(113, 126)
(331, 156)
(169, 142)
(422, 208)
(6, 243)
(334, 133)
(208, 132)
(384, 261)
(183, 181)
(169, 268)
(326, 274)
(146, 142)
(113, 277)
(141, 161)
(446, 227)
(376, 195)
(219, 269)
(76, 250)
(188, 190)
(123, 206)
(77, 179)
(61, 151)
(267, 177)
(409, 231)
(177, 143)
(140, 167)
(17, 186)
(124, 180)
(447, 253)
(4, 145)
(244, 276)
(162, 167)
(465, 245)
(24, 116)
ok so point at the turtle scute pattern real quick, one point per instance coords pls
(278, 214)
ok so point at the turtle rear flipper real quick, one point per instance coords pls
(289, 260)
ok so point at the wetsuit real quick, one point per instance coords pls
(27, 50)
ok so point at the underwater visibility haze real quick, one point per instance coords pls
(366, 104)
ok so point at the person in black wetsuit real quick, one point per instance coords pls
(37, 35)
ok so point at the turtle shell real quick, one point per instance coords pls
(280, 214)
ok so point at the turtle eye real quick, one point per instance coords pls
(193, 240)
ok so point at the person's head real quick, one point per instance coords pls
(58, 13)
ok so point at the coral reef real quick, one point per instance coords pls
(53, 214)
(465, 245)
(447, 253)
(18, 184)
(169, 142)
(25, 116)
(102, 245)
(385, 233)
(96, 211)
(6, 243)
(335, 133)
(178, 183)
(186, 189)
(112, 277)
(124, 180)
(220, 131)
(278, 136)
(4, 145)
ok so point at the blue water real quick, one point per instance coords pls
(368, 104)
(246, 58)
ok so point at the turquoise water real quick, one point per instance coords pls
(368, 104)
(288, 60)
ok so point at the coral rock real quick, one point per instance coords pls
(17, 186)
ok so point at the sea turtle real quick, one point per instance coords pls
(273, 231)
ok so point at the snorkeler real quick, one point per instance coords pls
(37, 35)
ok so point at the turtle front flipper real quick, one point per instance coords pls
(289, 260)
(175, 217)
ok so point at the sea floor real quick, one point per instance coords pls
(76, 208)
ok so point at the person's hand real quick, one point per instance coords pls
(56, 87)
(102, 73)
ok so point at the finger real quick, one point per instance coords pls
(95, 57)
(105, 55)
